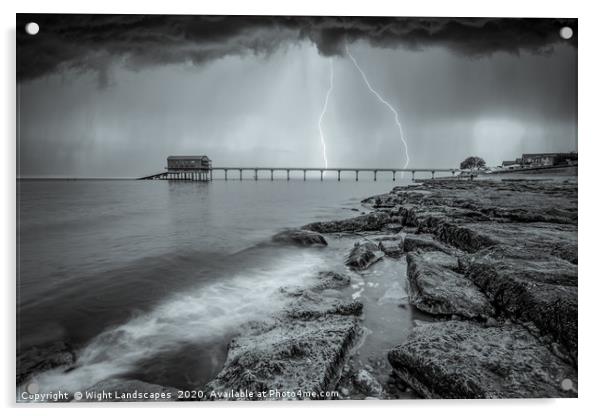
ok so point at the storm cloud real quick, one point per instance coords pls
(249, 90)
(95, 42)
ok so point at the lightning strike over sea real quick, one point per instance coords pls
(324, 112)
(385, 102)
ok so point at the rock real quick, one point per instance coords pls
(304, 349)
(531, 287)
(524, 202)
(393, 227)
(332, 280)
(300, 237)
(391, 248)
(363, 255)
(368, 384)
(523, 240)
(39, 359)
(491, 322)
(368, 222)
(424, 242)
(459, 359)
(313, 305)
(435, 287)
(559, 240)
(294, 355)
(123, 390)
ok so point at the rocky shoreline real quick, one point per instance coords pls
(494, 265)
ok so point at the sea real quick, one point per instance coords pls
(152, 279)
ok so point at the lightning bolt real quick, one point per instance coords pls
(382, 100)
(324, 112)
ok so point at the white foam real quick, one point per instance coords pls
(210, 312)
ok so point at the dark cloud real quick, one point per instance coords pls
(94, 42)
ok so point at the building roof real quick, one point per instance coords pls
(188, 157)
(547, 154)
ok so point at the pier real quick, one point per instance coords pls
(267, 173)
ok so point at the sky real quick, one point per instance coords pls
(113, 96)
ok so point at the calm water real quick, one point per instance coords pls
(152, 279)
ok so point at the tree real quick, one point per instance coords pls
(472, 162)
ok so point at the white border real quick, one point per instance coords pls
(590, 97)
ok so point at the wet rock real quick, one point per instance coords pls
(293, 355)
(460, 359)
(39, 359)
(363, 255)
(313, 305)
(123, 390)
(531, 287)
(303, 349)
(558, 240)
(491, 322)
(523, 202)
(435, 287)
(332, 280)
(368, 384)
(369, 222)
(391, 248)
(424, 242)
(300, 237)
(393, 227)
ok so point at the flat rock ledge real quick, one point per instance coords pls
(488, 252)
(458, 359)
(303, 350)
(434, 286)
(532, 288)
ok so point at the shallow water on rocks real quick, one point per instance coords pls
(387, 317)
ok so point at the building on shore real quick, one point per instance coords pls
(549, 159)
(537, 160)
(512, 164)
(189, 168)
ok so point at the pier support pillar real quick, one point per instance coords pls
(211, 175)
(374, 176)
(271, 174)
(288, 175)
(393, 175)
(339, 175)
(240, 174)
(321, 175)
(225, 174)
(304, 174)
(255, 174)
(413, 175)
(433, 174)
(357, 174)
